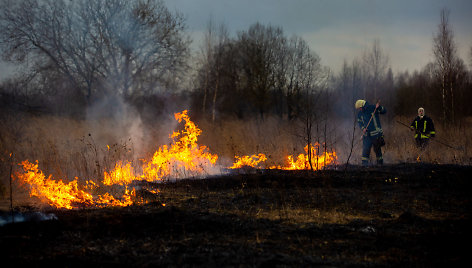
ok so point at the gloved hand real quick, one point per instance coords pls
(412, 129)
(433, 135)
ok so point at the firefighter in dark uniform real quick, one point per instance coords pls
(369, 121)
(424, 129)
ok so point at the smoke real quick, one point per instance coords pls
(111, 120)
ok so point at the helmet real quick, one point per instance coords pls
(360, 103)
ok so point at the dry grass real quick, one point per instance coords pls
(277, 139)
(273, 137)
(307, 211)
(69, 148)
(450, 146)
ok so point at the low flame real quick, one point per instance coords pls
(67, 195)
(318, 161)
(248, 161)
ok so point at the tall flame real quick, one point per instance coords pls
(183, 158)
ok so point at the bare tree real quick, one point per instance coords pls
(100, 46)
(302, 68)
(446, 60)
(315, 95)
(375, 65)
(312, 84)
(349, 87)
(259, 48)
(223, 40)
(260, 71)
(206, 59)
(212, 59)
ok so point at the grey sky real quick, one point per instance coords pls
(342, 29)
(339, 30)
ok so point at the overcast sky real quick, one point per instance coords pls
(339, 30)
(342, 29)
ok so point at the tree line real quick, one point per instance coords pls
(73, 53)
(259, 72)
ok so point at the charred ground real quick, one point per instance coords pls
(396, 215)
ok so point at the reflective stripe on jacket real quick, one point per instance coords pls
(363, 117)
(424, 127)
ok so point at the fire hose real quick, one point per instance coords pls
(435, 140)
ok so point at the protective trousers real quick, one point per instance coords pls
(367, 143)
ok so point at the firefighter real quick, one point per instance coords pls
(372, 133)
(424, 129)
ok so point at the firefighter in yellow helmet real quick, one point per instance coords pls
(369, 121)
(423, 127)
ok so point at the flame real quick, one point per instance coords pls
(184, 157)
(121, 175)
(248, 161)
(318, 161)
(67, 195)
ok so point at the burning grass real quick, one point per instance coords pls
(182, 156)
(91, 162)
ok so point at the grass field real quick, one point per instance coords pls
(68, 148)
(406, 213)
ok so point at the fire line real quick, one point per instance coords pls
(182, 158)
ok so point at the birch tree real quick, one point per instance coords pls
(446, 60)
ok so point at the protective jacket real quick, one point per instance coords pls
(374, 129)
(424, 127)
